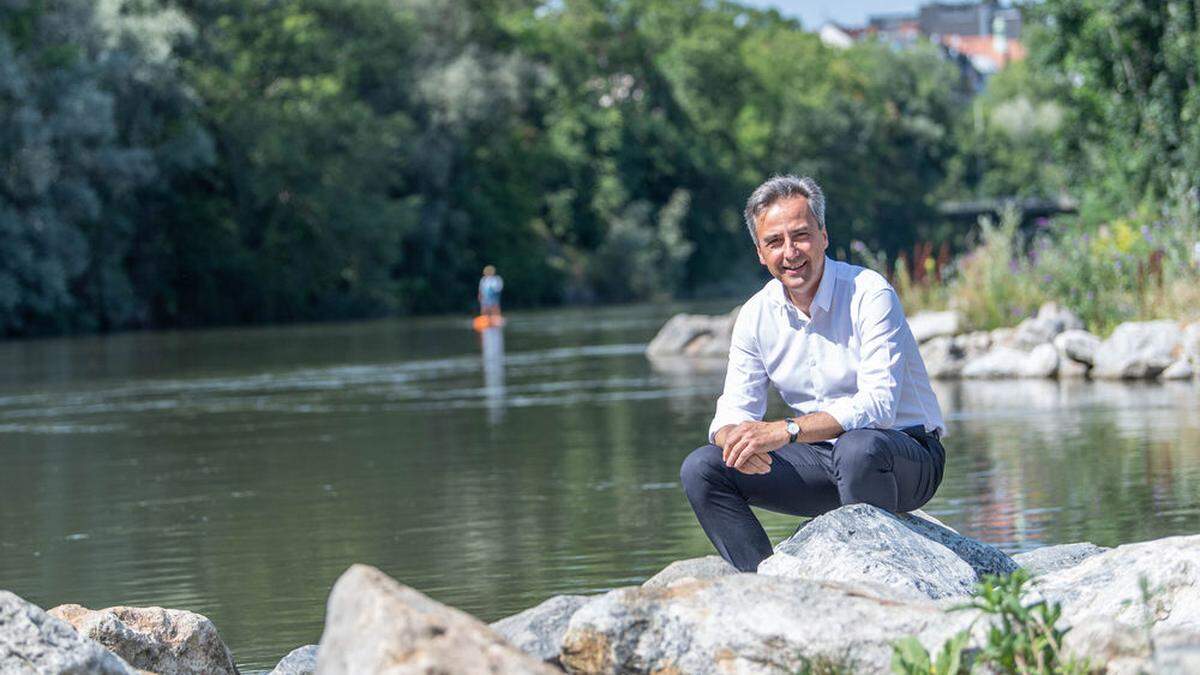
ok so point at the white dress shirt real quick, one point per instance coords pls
(854, 358)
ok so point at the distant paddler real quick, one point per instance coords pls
(490, 286)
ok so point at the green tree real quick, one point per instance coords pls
(1127, 73)
(92, 112)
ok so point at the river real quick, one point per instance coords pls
(238, 472)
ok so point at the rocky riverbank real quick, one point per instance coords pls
(837, 594)
(1052, 344)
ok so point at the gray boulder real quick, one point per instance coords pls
(749, 623)
(928, 325)
(1077, 345)
(708, 567)
(1109, 585)
(1133, 650)
(1008, 362)
(999, 362)
(1180, 370)
(1175, 657)
(1033, 332)
(974, 344)
(694, 335)
(943, 358)
(373, 624)
(1059, 318)
(1002, 337)
(1054, 558)
(914, 557)
(1191, 343)
(33, 642)
(164, 641)
(538, 631)
(1042, 362)
(299, 661)
(1071, 370)
(1138, 350)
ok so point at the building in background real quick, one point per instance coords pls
(981, 37)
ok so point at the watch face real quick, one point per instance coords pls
(792, 427)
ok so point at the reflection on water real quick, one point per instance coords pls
(237, 473)
(492, 340)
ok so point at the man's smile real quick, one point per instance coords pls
(795, 269)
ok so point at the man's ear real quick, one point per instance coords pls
(761, 259)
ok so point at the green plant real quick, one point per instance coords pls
(841, 664)
(1022, 638)
(909, 657)
(995, 286)
(1025, 638)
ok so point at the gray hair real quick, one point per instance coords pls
(784, 187)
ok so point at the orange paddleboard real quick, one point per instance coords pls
(482, 323)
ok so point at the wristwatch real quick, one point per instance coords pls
(793, 429)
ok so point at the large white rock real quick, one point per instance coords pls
(538, 631)
(749, 623)
(1138, 350)
(943, 358)
(864, 544)
(1180, 370)
(299, 661)
(375, 625)
(998, 363)
(694, 335)
(1033, 332)
(1060, 318)
(974, 344)
(1007, 362)
(1042, 362)
(165, 641)
(1077, 345)
(1191, 343)
(708, 567)
(1108, 585)
(1054, 558)
(928, 325)
(33, 642)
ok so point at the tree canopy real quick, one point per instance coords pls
(191, 162)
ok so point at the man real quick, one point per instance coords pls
(832, 339)
(490, 285)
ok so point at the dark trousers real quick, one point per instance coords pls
(889, 468)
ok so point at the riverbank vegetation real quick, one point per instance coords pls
(200, 162)
(1105, 110)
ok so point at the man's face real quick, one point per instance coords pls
(792, 246)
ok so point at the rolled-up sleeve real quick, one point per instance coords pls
(881, 367)
(745, 394)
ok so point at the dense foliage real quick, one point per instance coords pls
(217, 161)
(188, 162)
(1106, 108)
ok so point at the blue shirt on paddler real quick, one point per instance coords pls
(489, 289)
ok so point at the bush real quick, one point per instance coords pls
(1141, 266)
(1023, 638)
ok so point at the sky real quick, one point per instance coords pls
(813, 13)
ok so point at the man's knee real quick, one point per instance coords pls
(700, 466)
(862, 451)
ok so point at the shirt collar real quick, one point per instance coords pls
(823, 299)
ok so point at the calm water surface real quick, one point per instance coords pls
(237, 473)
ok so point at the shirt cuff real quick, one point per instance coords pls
(847, 413)
(723, 419)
